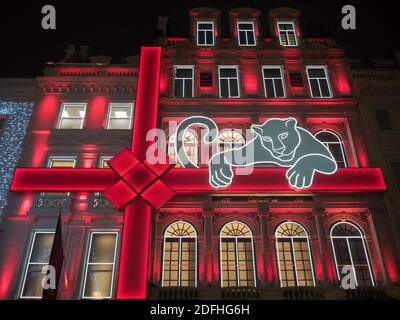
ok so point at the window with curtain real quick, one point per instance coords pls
(190, 145)
(294, 256)
(179, 263)
(349, 248)
(237, 263)
(335, 145)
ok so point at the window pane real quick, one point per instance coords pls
(102, 248)
(71, 123)
(201, 39)
(205, 26)
(42, 248)
(269, 88)
(179, 88)
(272, 73)
(209, 37)
(250, 38)
(228, 72)
(234, 90)
(98, 281)
(316, 73)
(314, 88)
(242, 38)
(119, 124)
(184, 73)
(188, 88)
(33, 283)
(73, 112)
(324, 87)
(224, 88)
(279, 88)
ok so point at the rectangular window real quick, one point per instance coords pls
(72, 116)
(228, 82)
(383, 118)
(296, 79)
(287, 34)
(103, 161)
(319, 82)
(39, 256)
(274, 85)
(184, 80)
(100, 265)
(246, 34)
(205, 33)
(120, 116)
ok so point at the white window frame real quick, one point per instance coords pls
(246, 32)
(310, 67)
(191, 67)
(71, 104)
(87, 263)
(28, 263)
(341, 143)
(180, 253)
(236, 254)
(307, 237)
(367, 257)
(119, 104)
(212, 30)
(237, 78)
(282, 78)
(102, 159)
(281, 22)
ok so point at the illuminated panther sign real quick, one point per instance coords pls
(277, 141)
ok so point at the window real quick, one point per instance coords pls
(72, 116)
(103, 161)
(287, 34)
(274, 85)
(228, 82)
(190, 145)
(205, 33)
(39, 256)
(294, 256)
(230, 139)
(396, 172)
(120, 116)
(319, 82)
(349, 248)
(383, 118)
(296, 79)
(335, 145)
(246, 34)
(184, 80)
(62, 162)
(100, 265)
(237, 256)
(180, 256)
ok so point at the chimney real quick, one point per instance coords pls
(161, 30)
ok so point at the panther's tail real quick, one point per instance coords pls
(212, 133)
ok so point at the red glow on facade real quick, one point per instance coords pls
(96, 113)
(46, 113)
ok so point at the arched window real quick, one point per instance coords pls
(350, 249)
(180, 256)
(237, 256)
(190, 145)
(230, 139)
(335, 145)
(294, 256)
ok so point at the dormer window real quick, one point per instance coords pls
(246, 33)
(205, 33)
(287, 34)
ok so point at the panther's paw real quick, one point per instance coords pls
(221, 174)
(300, 175)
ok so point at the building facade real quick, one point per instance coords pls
(218, 245)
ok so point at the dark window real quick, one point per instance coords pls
(205, 34)
(246, 34)
(295, 79)
(273, 82)
(228, 82)
(183, 82)
(335, 146)
(396, 172)
(319, 82)
(383, 118)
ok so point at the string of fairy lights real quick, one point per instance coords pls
(17, 115)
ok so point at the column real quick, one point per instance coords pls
(208, 216)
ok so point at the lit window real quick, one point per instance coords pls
(230, 139)
(335, 145)
(55, 162)
(120, 116)
(184, 81)
(228, 82)
(100, 265)
(180, 256)
(287, 34)
(350, 249)
(383, 118)
(104, 161)
(72, 116)
(294, 256)
(274, 84)
(205, 33)
(190, 145)
(39, 256)
(237, 256)
(246, 34)
(319, 82)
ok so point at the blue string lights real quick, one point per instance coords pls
(17, 115)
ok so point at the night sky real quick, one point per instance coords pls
(117, 28)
